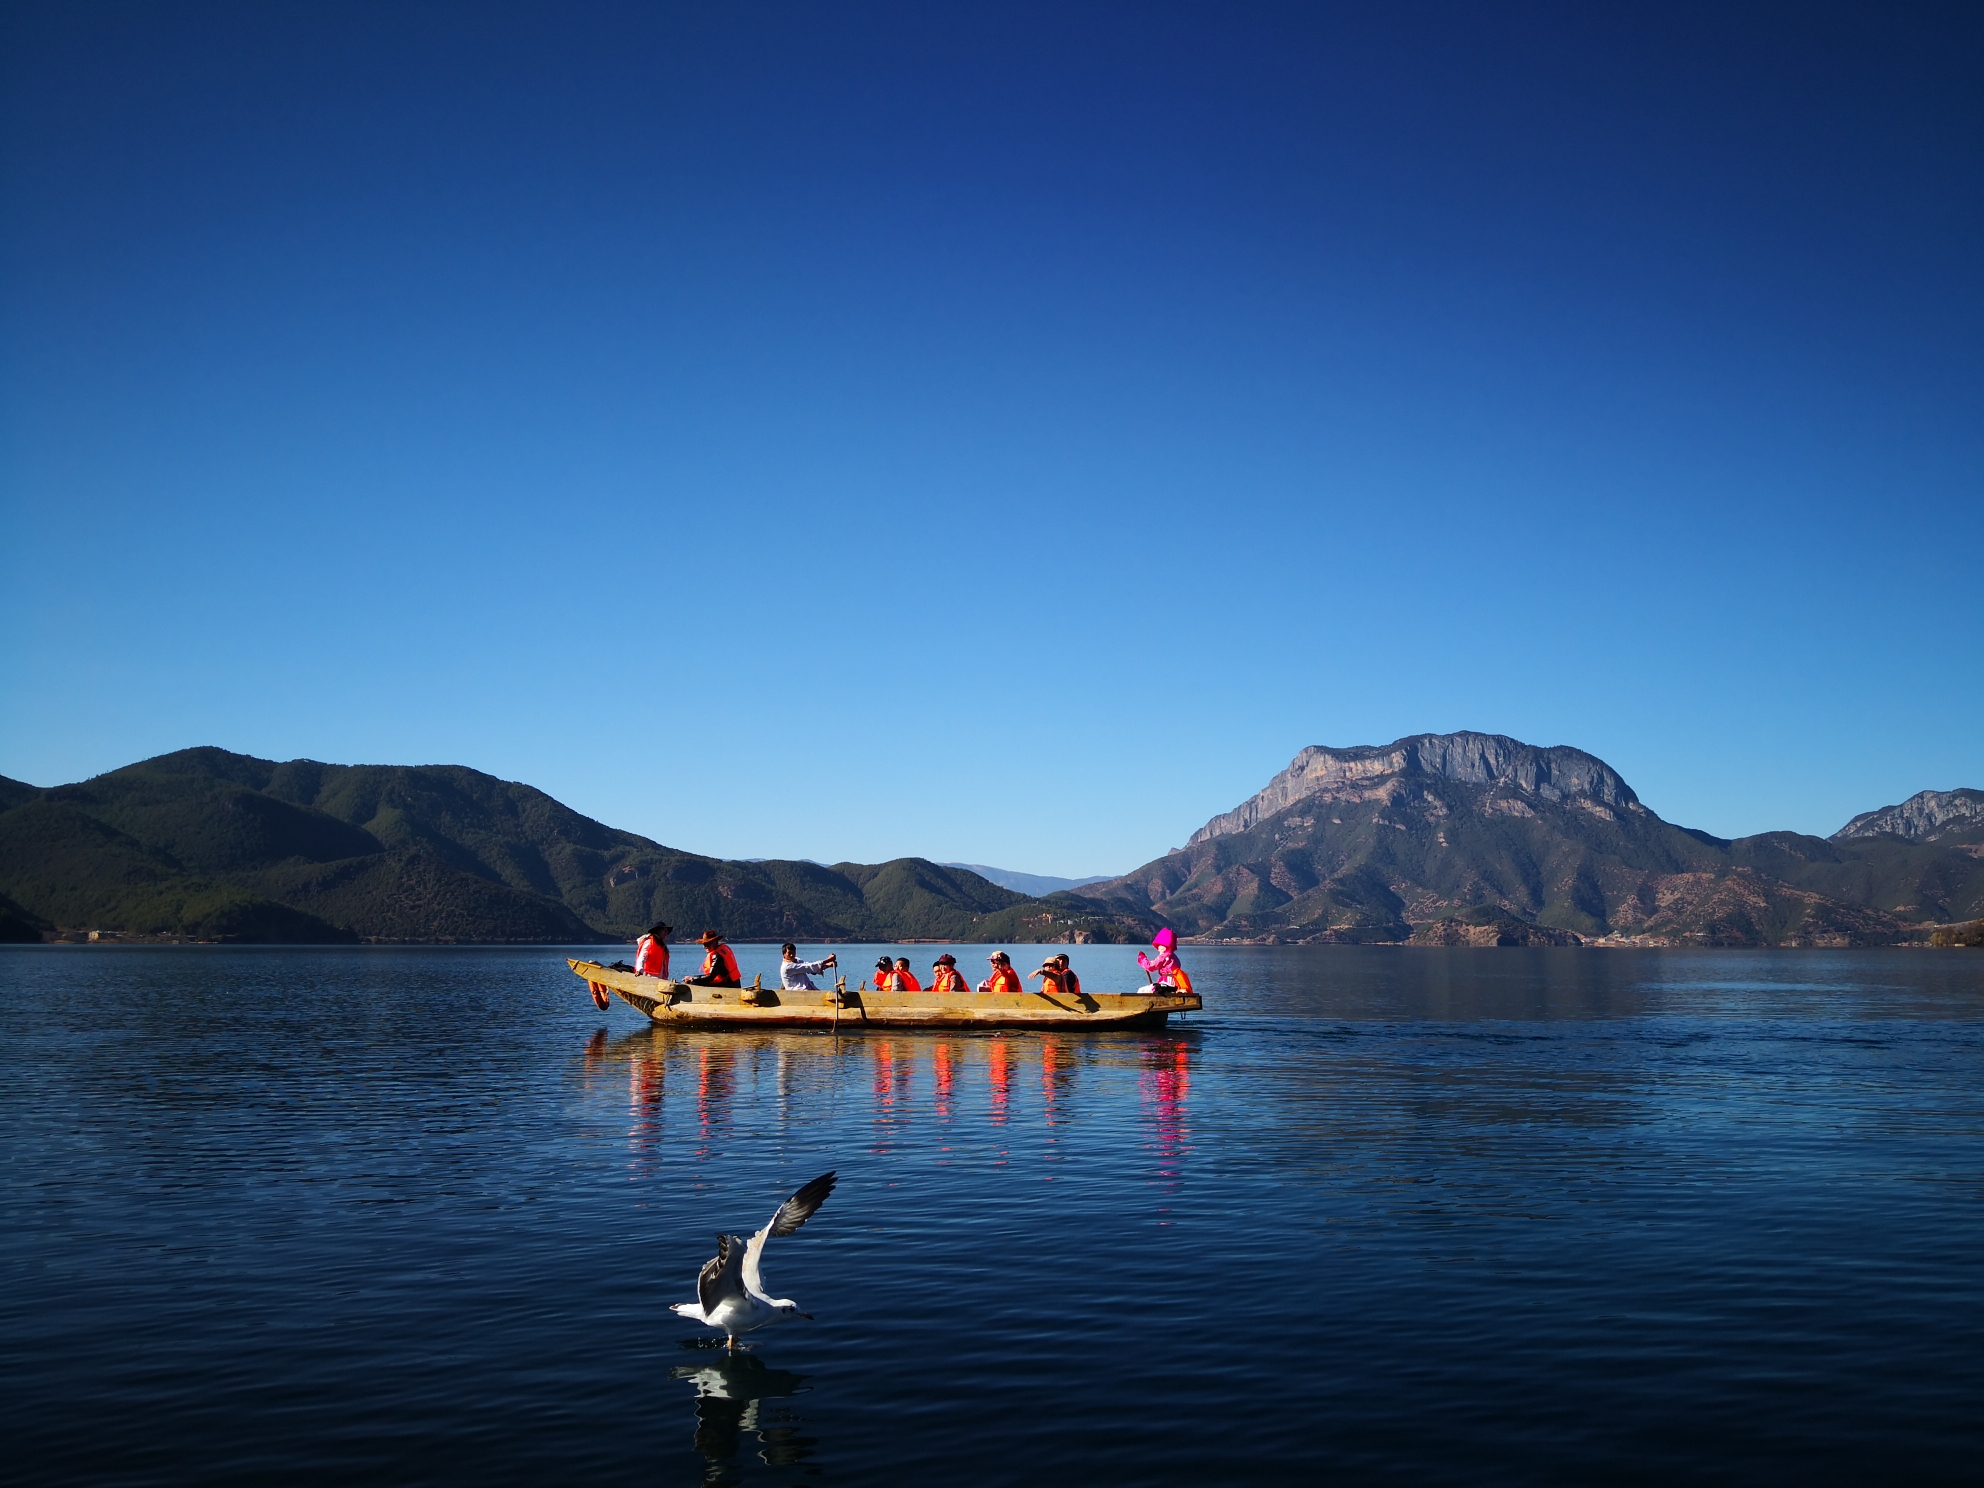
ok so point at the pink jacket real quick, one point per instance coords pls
(1163, 968)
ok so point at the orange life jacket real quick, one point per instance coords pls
(905, 981)
(1070, 983)
(650, 957)
(718, 958)
(1005, 979)
(948, 979)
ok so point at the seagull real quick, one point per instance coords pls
(730, 1294)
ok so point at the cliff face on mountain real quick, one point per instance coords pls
(217, 846)
(1373, 844)
(1926, 816)
(1489, 760)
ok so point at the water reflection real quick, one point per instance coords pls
(730, 1391)
(1007, 1099)
(1166, 1084)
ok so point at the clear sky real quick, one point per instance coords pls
(995, 432)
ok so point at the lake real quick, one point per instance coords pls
(405, 1215)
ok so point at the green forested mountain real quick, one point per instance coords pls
(1366, 844)
(213, 845)
(1451, 838)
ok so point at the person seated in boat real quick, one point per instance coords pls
(651, 951)
(1163, 968)
(719, 963)
(1070, 983)
(885, 974)
(1003, 978)
(905, 979)
(1050, 977)
(795, 975)
(945, 976)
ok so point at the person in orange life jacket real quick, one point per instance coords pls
(1070, 983)
(651, 951)
(885, 974)
(719, 963)
(1050, 976)
(1003, 978)
(945, 976)
(905, 978)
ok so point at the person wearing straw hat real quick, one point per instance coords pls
(719, 963)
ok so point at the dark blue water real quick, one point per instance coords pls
(1397, 1215)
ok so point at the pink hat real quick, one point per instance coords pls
(1164, 938)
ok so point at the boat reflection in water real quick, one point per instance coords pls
(731, 1391)
(1009, 1099)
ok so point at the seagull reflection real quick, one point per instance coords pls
(729, 1389)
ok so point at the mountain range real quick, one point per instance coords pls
(1034, 884)
(1386, 843)
(208, 845)
(1461, 839)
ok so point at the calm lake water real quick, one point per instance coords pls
(1388, 1214)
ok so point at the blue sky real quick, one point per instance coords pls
(1003, 433)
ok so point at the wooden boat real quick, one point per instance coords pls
(845, 1010)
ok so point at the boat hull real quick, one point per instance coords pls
(681, 1005)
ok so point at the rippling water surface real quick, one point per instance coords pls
(1464, 1216)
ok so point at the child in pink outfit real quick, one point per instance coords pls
(1163, 967)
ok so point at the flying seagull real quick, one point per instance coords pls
(730, 1294)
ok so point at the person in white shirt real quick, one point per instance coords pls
(795, 975)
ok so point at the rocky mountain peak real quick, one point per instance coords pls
(1557, 773)
(1921, 817)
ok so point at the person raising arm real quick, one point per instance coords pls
(795, 975)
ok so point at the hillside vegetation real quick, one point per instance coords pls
(210, 845)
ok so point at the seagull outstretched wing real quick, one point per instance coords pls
(793, 1213)
(720, 1278)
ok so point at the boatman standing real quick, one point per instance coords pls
(719, 963)
(795, 975)
(651, 951)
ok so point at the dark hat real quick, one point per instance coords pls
(947, 959)
(708, 937)
(659, 930)
(883, 961)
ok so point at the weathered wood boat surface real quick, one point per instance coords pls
(678, 1004)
